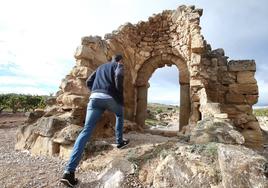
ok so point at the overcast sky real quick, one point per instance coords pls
(38, 38)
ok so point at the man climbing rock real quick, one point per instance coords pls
(106, 85)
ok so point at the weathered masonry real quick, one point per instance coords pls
(210, 84)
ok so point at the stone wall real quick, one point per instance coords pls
(210, 85)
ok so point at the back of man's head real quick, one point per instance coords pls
(118, 57)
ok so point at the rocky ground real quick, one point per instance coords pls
(144, 160)
(162, 117)
(263, 120)
(20, 169)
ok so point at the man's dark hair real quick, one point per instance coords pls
(118, 57)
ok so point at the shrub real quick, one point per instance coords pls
(15, 102)
(159, 110)
(261, 112)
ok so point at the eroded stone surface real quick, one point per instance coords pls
(248, 171)
(216, 130)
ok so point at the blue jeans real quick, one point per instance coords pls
(95, 109)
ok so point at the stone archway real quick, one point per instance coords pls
(211, 85)
(141, 86)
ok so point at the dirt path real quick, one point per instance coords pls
(20, 169)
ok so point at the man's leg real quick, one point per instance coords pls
(119, 128)
(93, 115)
(118, 109)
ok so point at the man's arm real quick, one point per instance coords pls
(90, 80)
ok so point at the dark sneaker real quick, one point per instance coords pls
(266, 169)
(122, 144)
(68, 179)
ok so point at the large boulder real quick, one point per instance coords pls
(253, 135)
(34, 135)
(32, 117)
(65, 151)
(75, 86)
(25, 137)
(77, 116)
(72, 100)
(215, 130)
(263, 121)
(187, 166)
(114, 175)
(48, 126)
(241, 167)
(44, 146)
(172, 172)
(67, 135)
(50, 101)
(212, 165)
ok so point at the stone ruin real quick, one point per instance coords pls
(211, 86)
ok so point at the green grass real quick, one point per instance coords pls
(154, 122)
(151, 122)
(210, 149)
(261, 112)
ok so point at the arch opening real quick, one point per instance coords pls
(142, 85)
(163, 100)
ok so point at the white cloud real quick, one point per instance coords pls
(15, 80)
(25, 90)
(164, 86)
(164, 95)
(38, 37)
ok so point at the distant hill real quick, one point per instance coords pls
(164, 107)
